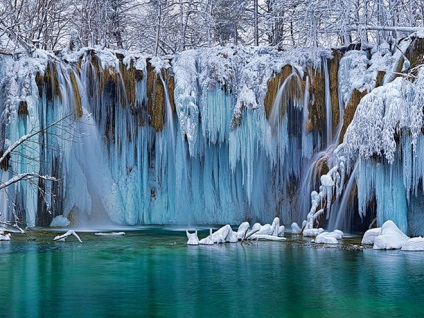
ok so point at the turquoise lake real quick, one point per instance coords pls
(153, 273)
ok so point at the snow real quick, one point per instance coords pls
(4, 237)
(60, 221)
(312, 232)
(192, 238)
(414, 244)
(109, 233)
(329, 237)
(391, 237)
(64, 236)
(370, 235)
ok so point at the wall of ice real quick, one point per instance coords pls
(158, 141)
(211, 136)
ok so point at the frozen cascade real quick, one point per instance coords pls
(215, 155)
(211, 163)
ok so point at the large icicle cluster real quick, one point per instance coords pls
(217, 160)
(381, 146)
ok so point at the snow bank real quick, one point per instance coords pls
(329, 237)
(414, 244)
(370, 235)
(391, 237)
(312, 232)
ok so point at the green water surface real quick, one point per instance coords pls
(153, 273)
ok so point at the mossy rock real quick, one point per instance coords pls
(156, 97)
(333, 70)
(77, 96)
(23, 108)
(380, 78)
(51, 82)
(350, 110)
(317, 102)
(273, 85)
(416, 52)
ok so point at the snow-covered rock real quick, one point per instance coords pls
(414, 244)
(312, 232)
(323, 238)
(4, 237)
(242, 230)
(329, 237)
(192, 238)
(295, 228)
(207, 240)
(267, 237)
(222, 235)
(391, 237)
(60, 221)
(370, 235)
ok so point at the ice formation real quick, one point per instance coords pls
(225, 234)
(196, 138)
(60, 221)
(208, 158)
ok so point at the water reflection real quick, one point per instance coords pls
(150, 275)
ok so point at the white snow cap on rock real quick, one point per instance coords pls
(414, 244)
(370, 235)
(192, 238)
(313, 232)
(391, 237)
(329, 237)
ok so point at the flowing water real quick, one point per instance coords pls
(153, 273)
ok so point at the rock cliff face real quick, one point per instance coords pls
(214, 136)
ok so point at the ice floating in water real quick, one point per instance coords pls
(60, 221)
(370, 236)
(64, 236)
(391, 237)
(109, 233)
(192, 238)
(414, 244)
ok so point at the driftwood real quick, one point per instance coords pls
(247, 236)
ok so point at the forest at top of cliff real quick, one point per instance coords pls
(161, 27)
